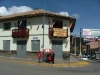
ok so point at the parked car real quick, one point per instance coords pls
(84, 58)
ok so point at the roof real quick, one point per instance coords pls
(36, 13)
(33, 13)
(94, 44)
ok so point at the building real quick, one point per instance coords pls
(24, 34)
(75, 44)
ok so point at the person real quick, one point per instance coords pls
(49, 58)
(39, 56)
(53, 56)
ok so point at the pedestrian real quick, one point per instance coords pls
(39, 56)
(53, 56)
(49, 58)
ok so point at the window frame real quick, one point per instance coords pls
(58, 21)
(23, 24)
(7, 26)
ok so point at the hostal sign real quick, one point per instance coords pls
(58, 32)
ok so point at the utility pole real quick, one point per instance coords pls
(43, 22)
(80, 44)
(43, 29)
(75, 45)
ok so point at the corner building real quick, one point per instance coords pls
(22, 35)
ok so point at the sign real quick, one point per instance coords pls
(35, 37)
(58, 32)
(91, 38)
(94, 32)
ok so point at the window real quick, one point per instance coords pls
(57, 23)
(7, 26)
(22, 24)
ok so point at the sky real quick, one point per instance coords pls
(86, 12)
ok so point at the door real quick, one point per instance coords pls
(35, 45)
(21, 48)
(57, 48)
(6, 45)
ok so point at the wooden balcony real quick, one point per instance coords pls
(58, 32)
(20, 33)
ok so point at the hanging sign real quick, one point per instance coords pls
(58, 32)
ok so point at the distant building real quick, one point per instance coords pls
(21, 34)
(83, 44)
(94, 45)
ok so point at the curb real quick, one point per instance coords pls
(65, 64)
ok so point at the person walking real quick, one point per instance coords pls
(49, 58)
(39, 56)
(53, 56)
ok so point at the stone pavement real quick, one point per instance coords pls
(73, 62)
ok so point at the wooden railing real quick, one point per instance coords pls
(20, 33)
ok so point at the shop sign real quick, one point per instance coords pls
(58, 32)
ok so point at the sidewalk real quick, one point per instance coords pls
(31, 62)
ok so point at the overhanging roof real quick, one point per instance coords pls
(35, 13)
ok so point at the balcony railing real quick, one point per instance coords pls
(58, 32)
(20, 33)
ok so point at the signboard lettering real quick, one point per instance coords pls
(58, 32)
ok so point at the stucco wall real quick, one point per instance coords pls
(35, 30)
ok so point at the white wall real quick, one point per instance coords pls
(35, 30)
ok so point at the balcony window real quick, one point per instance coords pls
(57, 23)
(22, 24)
(7, 26)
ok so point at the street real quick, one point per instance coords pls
(15, 68)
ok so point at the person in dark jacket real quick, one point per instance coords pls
(53, 56)
(49, 58)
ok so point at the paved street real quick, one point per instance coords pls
(17, 68)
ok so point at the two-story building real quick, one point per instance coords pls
(24, 33)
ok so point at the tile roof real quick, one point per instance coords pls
(94, 44)
(33, 13)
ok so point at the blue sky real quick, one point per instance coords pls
(86, 12)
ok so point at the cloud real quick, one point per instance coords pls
(14, 9)
(64, 13)
(76, 16)
(67, 14)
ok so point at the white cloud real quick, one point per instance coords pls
(3, 11)
(67, 14)
(64, 13)
(14, 9)
(76, 15)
